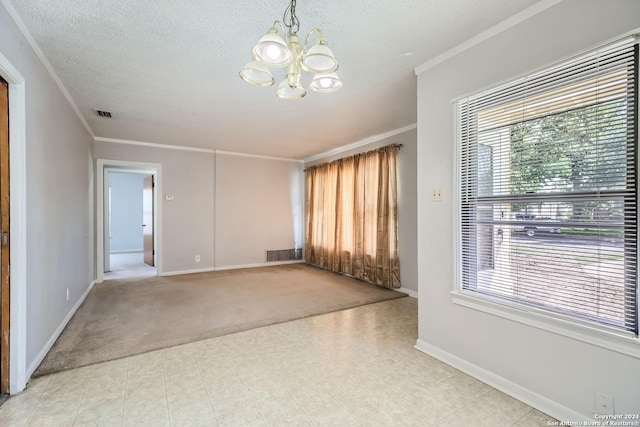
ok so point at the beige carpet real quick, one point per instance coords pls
(125, 317)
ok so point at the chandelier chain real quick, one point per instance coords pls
(290, 19)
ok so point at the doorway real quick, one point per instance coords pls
(128, 218)
(129, 225)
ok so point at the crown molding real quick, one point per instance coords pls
(258, 156)
(43, 59)
(183, 148)
(152, 144)
(362, 142)
(487, 34)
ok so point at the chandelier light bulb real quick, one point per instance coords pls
(272, 50)
(326, 83)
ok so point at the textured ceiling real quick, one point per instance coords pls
(169, 68)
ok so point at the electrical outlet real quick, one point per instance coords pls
(67, 294)
(197, 258)
(604, 404)
(436, 194)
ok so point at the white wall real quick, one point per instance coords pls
(59, 217)
(126, 211)
(238, 206)
(555, 373)
(407, 200)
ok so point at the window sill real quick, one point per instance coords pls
(625, 344)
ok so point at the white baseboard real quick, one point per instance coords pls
(409, 292)
(260, 264)
(514, 390)
(180, 272)
(127, 251)
(40, 357)
(229, 267)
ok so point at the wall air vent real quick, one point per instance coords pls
(284, 255)
(105, 114)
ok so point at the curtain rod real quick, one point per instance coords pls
(398, 146)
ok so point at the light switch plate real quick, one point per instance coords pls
(168, 197)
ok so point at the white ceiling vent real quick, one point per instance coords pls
(104, 114)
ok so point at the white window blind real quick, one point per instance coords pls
(548, 189)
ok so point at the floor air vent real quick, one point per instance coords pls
(284, 255)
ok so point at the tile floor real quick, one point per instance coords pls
(354, 367)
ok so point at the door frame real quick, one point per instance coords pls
(103, 168)
(18, 227)
(5, 248)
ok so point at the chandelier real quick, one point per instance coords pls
(272, 51)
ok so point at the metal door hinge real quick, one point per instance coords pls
(5, 238)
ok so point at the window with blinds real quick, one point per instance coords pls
(548, 190)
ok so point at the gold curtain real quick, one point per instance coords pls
(352, 216)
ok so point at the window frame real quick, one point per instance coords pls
(615, 340)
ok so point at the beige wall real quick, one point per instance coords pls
(407, 203)
(228, 209)
(187, 221)
(258, 208)
(59, 186)
(559, 375)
